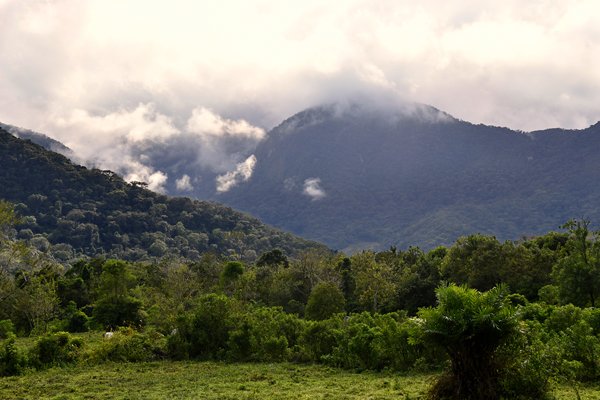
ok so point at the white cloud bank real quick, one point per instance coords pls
(106, 77)
(128, 141)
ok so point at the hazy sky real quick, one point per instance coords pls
(101, 75)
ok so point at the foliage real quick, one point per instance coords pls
(577, 275)
(6, 328)
(116, 306)
(128, 345)
(72, 211)
(325, 300)
(204, 332)
(55, 349)
(470, 326)
(12, 360)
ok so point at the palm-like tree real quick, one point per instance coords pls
(470, 326)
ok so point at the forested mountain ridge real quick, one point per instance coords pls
(72, 211)
(358, 176)
(38, 138)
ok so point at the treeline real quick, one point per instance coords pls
(371, 310)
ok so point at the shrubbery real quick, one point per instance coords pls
(222, 328)
(55, 349)
(6, 328)
(12, 360)
(128, 345)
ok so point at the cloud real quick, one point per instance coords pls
(222, 143)
(242, 173)
(184, 184)
(155, 179)
(143, 144)
(526, 66)
(312, 188)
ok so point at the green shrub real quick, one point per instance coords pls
(128, 345)
(579, 344)
(75, 320)
(6, 328)
(319, 339)
(12, 360)
(531, 363)
(55, 349)
(204, 333)
(264, 334)
(563, 317)
(78, 322)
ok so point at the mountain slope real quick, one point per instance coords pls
(38, 138)
(357, 177)
(74, 211)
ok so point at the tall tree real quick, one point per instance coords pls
(577, 274)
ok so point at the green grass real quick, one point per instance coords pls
(211, 380)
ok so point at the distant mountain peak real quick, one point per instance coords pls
(393, 113)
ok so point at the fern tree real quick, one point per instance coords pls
(470, 326)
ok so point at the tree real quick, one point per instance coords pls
(417, 281)
(115, 306)
(36, 300)
(476, 261)
(375, 283)
(577, 274)
(470, 326)
(325, 300)
(232, 271)
(272, 258)
(348, 283)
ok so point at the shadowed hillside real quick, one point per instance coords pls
(355, 177)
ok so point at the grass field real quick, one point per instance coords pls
(209, 380)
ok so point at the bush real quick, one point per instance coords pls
(365, 341)
(319, 339)
(78, 322)
(55, 350)
(7, 328)
(563, 317)
(531, 362)
(12, 361)
(128, 345)
(204, 333)
(75, 320)
(273, 333)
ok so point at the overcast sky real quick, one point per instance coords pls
(92, 73)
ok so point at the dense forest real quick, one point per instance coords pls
(517, 315)
(175, 279)
(71, 211)
(369, 176)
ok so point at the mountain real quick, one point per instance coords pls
(70, 211)
(38, 138)
(359, 176)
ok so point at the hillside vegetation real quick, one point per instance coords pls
(72, 211)
(369, 177)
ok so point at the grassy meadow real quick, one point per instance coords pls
(214, 380)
